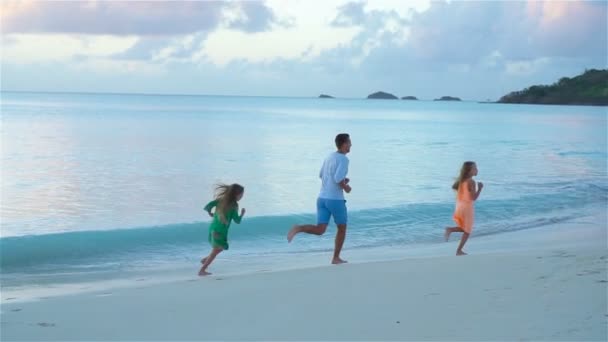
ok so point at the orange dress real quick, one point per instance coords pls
(464, 215)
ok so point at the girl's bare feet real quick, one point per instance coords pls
(460, 253)
(338, 261)
(202, 273)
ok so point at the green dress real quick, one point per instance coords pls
(218, 231)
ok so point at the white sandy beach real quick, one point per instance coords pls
(556, 292)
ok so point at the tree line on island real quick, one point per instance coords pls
(380, 95)
(588, 88)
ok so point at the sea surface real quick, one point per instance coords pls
(100, 186)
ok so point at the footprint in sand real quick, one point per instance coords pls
(46, 325)
(16, 310)
(563, 254)
(11, 298)
(142, 279)
(219, 278)
(104, 294)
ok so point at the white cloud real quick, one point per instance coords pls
(526, 67)
(131, 17)
(36, 48)
(462, 48)
(117, 67)
(401, 7)
(309, 34)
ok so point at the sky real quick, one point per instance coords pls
(475, 50)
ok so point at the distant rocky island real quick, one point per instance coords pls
(589, 88)
(382, 95)
(448, 98)
(409, 98)
(324, 96)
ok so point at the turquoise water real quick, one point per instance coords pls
(96, 183)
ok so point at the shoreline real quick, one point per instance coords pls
(521, 241)
(553, 286)
(559, 294)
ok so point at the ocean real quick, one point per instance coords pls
(99, 187)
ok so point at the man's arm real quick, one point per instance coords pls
(340, 175)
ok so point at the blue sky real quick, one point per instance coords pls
(471, 49)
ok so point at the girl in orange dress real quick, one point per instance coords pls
(464, 215)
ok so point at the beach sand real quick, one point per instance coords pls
(557, 292)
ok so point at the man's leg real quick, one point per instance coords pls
(340, 214)
(323, 215)
(318, 229)
(340, 237)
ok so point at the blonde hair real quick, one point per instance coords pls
(226, 195)
(465, 173)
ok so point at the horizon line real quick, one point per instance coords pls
(216, 95)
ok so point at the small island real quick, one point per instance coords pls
(382, 95)
(409, 98)
(588, 89)
(448, 98)
(324, 96)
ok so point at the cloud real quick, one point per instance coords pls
(462, 31)
(569, 28)
(474, 50)
(51, 48)
(525, 67)
(459, 36)
(308, 33)
(133, 17)
(144, 49)
(252, 16)
(350, 14)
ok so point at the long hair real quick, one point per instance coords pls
(465, 173)
(226, 195)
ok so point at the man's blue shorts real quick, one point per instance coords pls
(331, 207)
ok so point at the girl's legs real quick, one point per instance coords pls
(463, 240)
(208, 260)
(450, 230)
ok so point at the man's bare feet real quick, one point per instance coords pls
(338, 261)
(202, 273)
(292, 232)
(459, 253)
(203, 260)
(446, 235)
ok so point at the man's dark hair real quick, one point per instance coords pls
(341, 139)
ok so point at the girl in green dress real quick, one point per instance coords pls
(226, 210)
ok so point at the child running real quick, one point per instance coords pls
(226, 210)
(464, 215)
